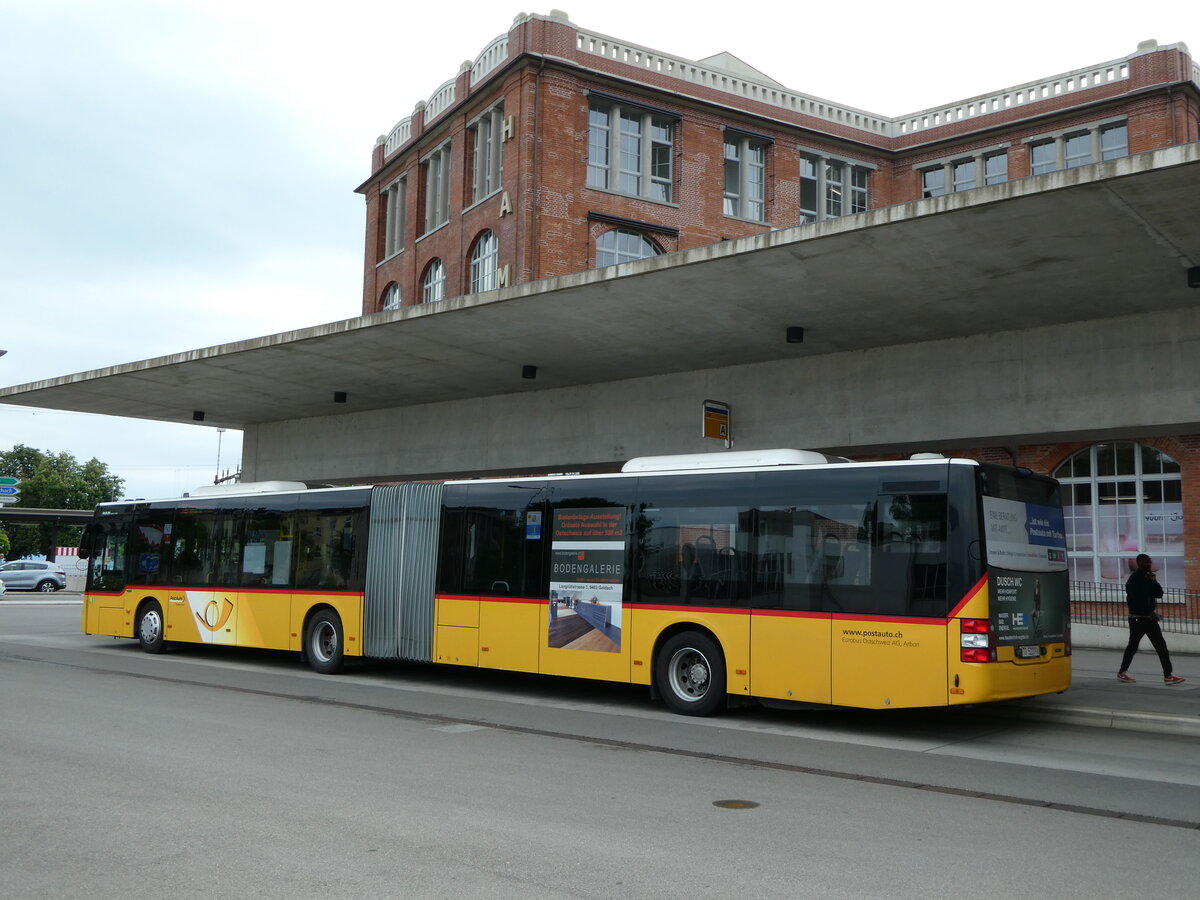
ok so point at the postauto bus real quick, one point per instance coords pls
(778, 575)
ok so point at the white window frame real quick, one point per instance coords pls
(395, 199)
(487, 168)
(433, 287)
(1104, 558)
(484, 263)
(840, 186)
(392, 298)
(1106, 153)
(1095, 152)
(745, 177)
(437, 187)
(960, 178)
(626, 152)
(952, 179)
(620, 256)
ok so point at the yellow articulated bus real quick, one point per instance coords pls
(779, 575)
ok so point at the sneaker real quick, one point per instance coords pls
(1173, 679)
(1121, 676)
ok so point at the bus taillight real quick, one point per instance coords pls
(976, 636)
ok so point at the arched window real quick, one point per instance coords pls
(391, 297)
(1121, 499)
(434, 286)
(483, 263)
(621, 245)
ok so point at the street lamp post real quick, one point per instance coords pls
(220, 435)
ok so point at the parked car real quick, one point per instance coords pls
(1, 588)
(33, 575)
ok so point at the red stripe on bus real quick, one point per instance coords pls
(223, 590)
(971, 595)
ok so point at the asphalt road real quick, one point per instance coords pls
(224, 773)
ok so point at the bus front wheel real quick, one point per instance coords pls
(689, 673)
(150, 631)
(323, 642)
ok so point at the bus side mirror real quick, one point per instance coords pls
(85, 542)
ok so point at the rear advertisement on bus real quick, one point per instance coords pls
(1027, 572)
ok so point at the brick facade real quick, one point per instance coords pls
(544, 80)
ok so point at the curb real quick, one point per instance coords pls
(1120, 720)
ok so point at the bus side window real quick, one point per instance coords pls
(150, 547)
(909, 555)
(327, 549)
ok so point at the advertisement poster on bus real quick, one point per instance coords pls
(587, 575)
(1027, 572)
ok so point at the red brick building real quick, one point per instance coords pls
(560, 150)
(572, 150)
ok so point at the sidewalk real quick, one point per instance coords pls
(1098, 700)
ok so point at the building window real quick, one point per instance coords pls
(833, 189)
(1077, 150)
(621, 245)
(433, 288)
(963, 174)
(825, 192)
(995, 168)
(858, 189)
(483, 263)
(933, 182)
(1121, 499)
(487, 154)
(1043, 157)
(745, 177)
(639, 142)
(1114, 141)
(394, 200)
(391, 297)
(437, 188)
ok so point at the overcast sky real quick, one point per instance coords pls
(179, 174)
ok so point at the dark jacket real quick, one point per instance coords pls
(1142, 593)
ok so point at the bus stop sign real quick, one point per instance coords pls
(716, 421)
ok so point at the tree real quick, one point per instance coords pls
(53, 481)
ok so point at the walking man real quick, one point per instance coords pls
(1142, 591)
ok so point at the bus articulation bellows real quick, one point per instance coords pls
(781, 575)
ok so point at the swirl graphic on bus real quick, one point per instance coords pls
(215, 615)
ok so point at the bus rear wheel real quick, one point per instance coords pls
(324, 641)
(150, 631)
(689, 673)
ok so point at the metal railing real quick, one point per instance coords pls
(1095, 603)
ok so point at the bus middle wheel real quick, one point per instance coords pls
(689, 673)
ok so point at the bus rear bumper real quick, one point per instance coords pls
(985, 682)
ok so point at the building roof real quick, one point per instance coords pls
(1095, 242)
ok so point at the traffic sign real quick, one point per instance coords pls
(8, 490)
(8, 498)
(8, 479)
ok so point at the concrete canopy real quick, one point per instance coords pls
(1096, 242)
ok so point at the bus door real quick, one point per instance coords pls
(789, 626)
(261, 615)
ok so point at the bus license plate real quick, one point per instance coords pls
(1029, 652)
